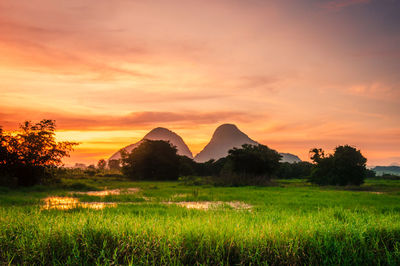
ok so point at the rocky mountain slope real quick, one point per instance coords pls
(290, 158)
(228, 136)
(225, 137)
(159, 133)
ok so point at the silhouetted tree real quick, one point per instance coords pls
(214, 168)
(295, 170)
(187, 166)
(370, 173)
(4, 153)
(254, 160)
(101, 164)
(6, 178)
(250, 165)
(151, 160)
(114, 164)
(347, 166)
(26, 156)
(91, 170)
(316, 155)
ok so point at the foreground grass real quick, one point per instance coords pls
(290, 223)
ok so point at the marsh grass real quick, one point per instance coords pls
(291, 223)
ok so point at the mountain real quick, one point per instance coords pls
(393, 170)
(225, 137)
(228, 136)
(290, 158)
(159, 133)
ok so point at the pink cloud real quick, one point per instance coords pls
(30, 47)
(133, 120)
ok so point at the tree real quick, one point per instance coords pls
(28, 155)
(370, 173)
(350, 165)
(151, 160)
(347, 166)
(114, 164)
(316, 155)
(254, 160)
(295, 170)
(250, 165)
(101, 164)
(91, 170)
(5, 156)
(187, 166)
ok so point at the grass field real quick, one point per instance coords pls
(290, 222)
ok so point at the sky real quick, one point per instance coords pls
(292, 75)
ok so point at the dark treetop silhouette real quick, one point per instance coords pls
(27, 156)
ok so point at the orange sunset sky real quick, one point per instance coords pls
(291, 74)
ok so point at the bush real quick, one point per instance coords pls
(238, 180)
(196, 180)
(79, 186)
(389, 177)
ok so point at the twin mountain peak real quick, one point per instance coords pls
(225, 137)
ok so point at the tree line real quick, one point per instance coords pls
(247, 165)
(31, 155)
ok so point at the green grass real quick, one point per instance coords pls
(291, 222)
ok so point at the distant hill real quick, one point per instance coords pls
(228, 136)
(393, 170)
(225, 137)
(290, 158)
(159, 133)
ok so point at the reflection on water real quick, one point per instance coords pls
(196, 205)
(60, 203)
(68, 203)
(97, 205)
(108, 192)
(205, 205)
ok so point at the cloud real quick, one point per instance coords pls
(33, 48)
(336, 5)
(133, 120)
(86, 47)
(375, 90)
